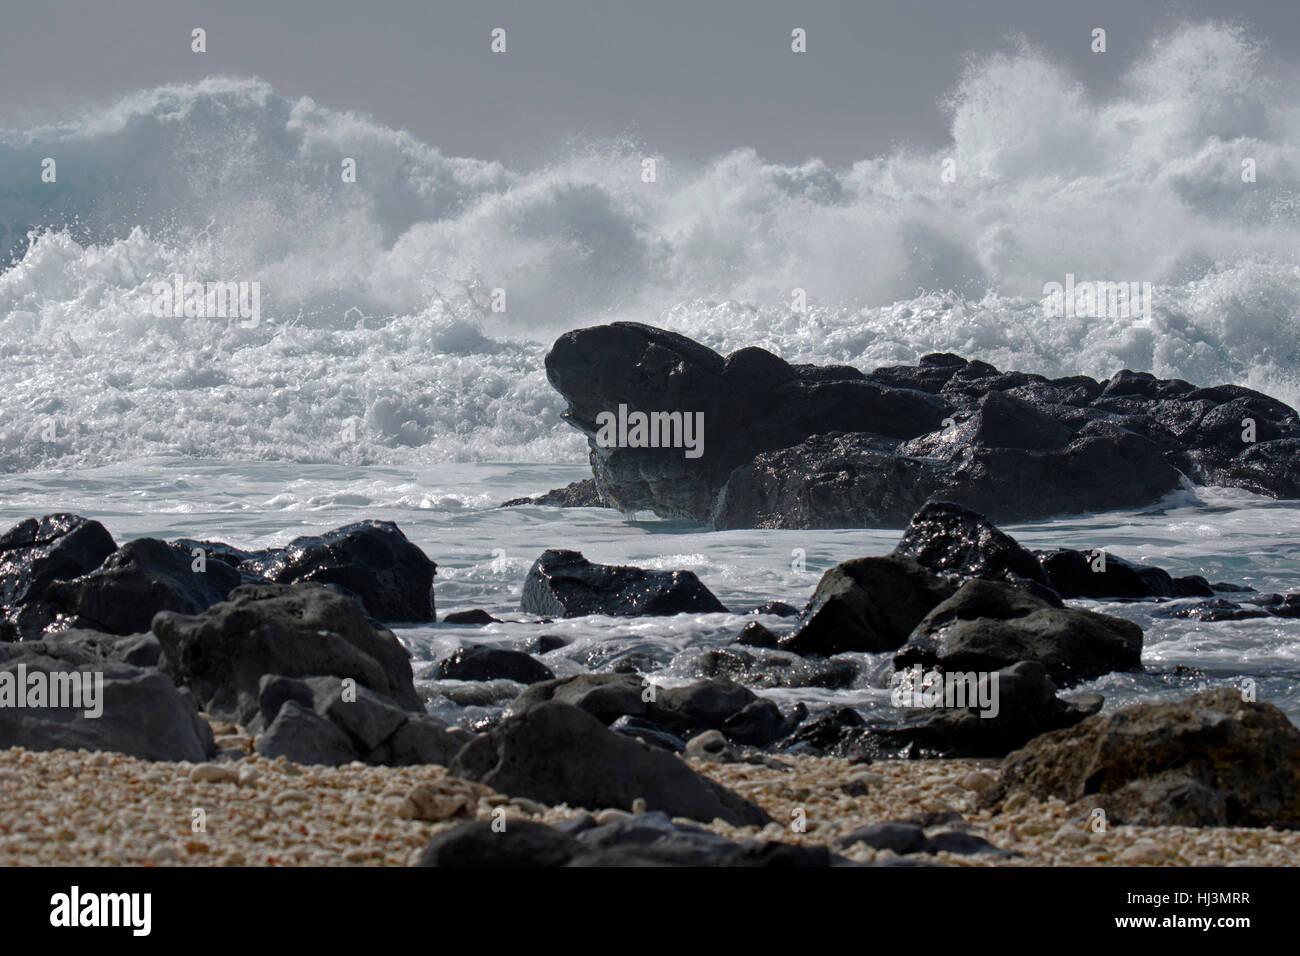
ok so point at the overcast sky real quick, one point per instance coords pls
(690, 78)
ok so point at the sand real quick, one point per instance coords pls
(79, 808)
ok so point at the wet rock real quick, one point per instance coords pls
(556, 753)
(579, 494)
(835, 733)
(491, 663)
(949, 539)
(776, 608)
(39, 551)
(137, 581)
(1076, 574)
(475, 616)
(565, 584)
(371, 560)
(1210, 760)
(543, 644)
(1192, 585)
(952, 715)
(986, 626)
(867, 604)
(756, 635)
(648, 732)
(1219, 609)
(137, 711)
(296, 630)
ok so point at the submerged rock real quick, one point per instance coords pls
(490, 663)
(579, 494)
(565, 584)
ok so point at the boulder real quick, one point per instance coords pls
(867, 604)
(579, 494)
(137, 581)
(1076, 574)
(135, 711)
(565, 584)
(371, 560)
(1209, 760)
(37, 552)
(949, 539)
(556, 753)
(301, 736)
(987, 626)
(297, 630)
(491, 663)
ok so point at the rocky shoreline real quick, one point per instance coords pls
(270, 687)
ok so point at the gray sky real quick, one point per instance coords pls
(690, 78)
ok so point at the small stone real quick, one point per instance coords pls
(431, 803)
(611, 815)
(978, 780)
(213, 773)
(1143, 851)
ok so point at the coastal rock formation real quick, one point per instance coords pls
(37, 552)
(565, 584)
(557, 753)
(140, 712)
(372, 560)
(987, 625)
(795, 446)
(1210, 760)
(490, 663)
(297, 630)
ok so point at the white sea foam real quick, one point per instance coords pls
(376, 295)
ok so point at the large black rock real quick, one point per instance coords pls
(805, 447)
(297, 630)
(372, 560)
(565, 584)
(37, 552)
(140, 579)
(557, 753)
(948, 538)
(988, 625)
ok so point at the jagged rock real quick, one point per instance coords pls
(947, 538)
(1020, 706)
(776, 608)
(579, 494)
(137, 581)
(556, 753)
(988, 625)
(1210, 760)
(805, 447)
(490, 663)
(1216, 610)
(297, 630)
(140, 712)
(867, 604)
(302, 736)
(371, 560)
(565, 584)
(37, 552)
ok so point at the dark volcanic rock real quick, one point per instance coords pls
(140, 579)
(579, 494)
(1022, 705)
(987, 626)
(565, 584)
(751, 401)
(1216, 610)
(302, 736)
(1075, 574)
(371, 560)
(474, 616)
(1210, 760)
(792, 446)
(948, 538)
(297, 630)
(867, 604)
(39, 551)
(556, 753)
(140, 712)
(491, 663)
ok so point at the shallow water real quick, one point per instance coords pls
(483, 553)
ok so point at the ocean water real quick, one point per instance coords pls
(484, 552)
(380, 381)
